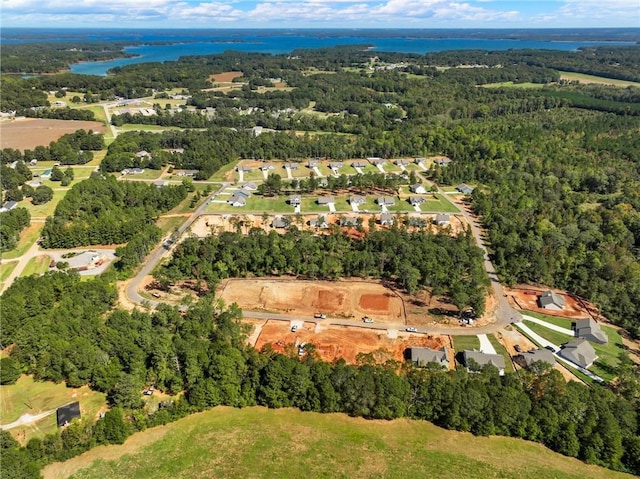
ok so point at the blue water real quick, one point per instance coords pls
(177, 43)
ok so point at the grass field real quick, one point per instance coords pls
(460, 343)
(584, 78)
(28, 236)
(5, 271)
(502, 351)
(34, 397)
(286, 443)
(221, 173)
(562, 322)
(38, 265)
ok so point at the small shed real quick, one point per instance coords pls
(68, 413)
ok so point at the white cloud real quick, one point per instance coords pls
(592, 13)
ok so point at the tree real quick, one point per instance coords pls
(9, 371)
(41, 195)
(112, 428)
(56, 174)
(14, 194)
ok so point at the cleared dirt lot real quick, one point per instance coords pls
(333, 342)
(527, 298)
(31, 132)
(225, 77)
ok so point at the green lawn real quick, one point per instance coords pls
(148, 174)
(34, 397)
(28, 236)
(555, 337)
(168, 225)
(255, 203)
(222, 172)
(137, 127)
(38, 265)
(286, 443)
(310, 205)
(45, 209)
(5, 270)
(460, 343)
(502, 351)
(563, 322)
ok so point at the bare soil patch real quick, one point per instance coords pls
(526, 297)
(31, 132)
(374, 302)
(225, 77)
(341, 342)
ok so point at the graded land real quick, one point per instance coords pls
(28, 133)
(225, 442)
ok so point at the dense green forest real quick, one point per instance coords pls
(103, 210)
(203, 352)
(11, 224)
(451, 266)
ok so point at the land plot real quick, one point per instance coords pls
(225, 77)
(31, 132)
(342, 342)
(28, 236)
(526, 297)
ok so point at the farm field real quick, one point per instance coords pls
(340, 342)
(291, 444)
(584, 78)
(28, 396)
(32, 132)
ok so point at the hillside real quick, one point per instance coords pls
(287, 443)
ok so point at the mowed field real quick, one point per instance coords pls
(335, 342)
(286, 443)
(32, 132)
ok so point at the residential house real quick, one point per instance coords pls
(348, 221)
(244, 168)
(590, 330)
(326, 200)
(386, 219)
(34, 183)
(419, 160)
(312, 164)
(418, 189)
(425, 356)
(442, 219)
(357, 200)
(66, 414)
(143, 154)
(401, 162)
(280, 222)
(416, 200)
(33, 162)
(250, 186)
(578, 351)
(385, 201)
(161, 183)
(239, 197)
(538, 355)
(376, 161)
(46, 174)
(473, 359)
(416, 221)
(464, 189)
(266, 167)
(291, 165)
(295, 200)
(256, 130)
(186, 173)
(443, 161)
(8, 206)
(552, 301)
(335, 165)
(319, 222)
(130, 171)
(359, 164)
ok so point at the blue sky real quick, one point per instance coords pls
(320, 13)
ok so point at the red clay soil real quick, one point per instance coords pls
(31, 132)
(374, 302)
(334, 342)
(526, 297)
(225, 77)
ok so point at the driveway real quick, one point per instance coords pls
(485, 345)
(536, 337)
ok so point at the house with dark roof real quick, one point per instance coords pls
(8, 206)
(444, 161)
(357, 200)
(552, 301)
(386, 219)
(590, 330)
(442, 219)
(385, 201)
(319, 222)
(416, 200)
(418, 189)
(66, 414)
(424, 356)
(280, 222)
(464, 189)
(416, 221)
(538, 355)
(359, 164)
(292, 165)
(476, 359)
(295, 200)
(578, 351)
(326, 200)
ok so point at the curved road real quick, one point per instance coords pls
(504, 313)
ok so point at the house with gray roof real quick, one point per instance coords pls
(444, 161)
(476, 359)
(385, 201)
(419, 160)
(266, 167)
(312, 164)
(239, 197)
(295, 200)
(292, 165)
(418, 188)
(359, 164)
(319, 222)
(442, 219)
(416, 200)
(280, 222)
(578, 351)
(189, 173)
(326, 200)
(401, 162)
(386, 219)
(8, 206)
(128, 171)
(552, 301)
(464, 189)
(250, 186)
(160, 183)
(244, 169)
(143, 154)
(538, 355)
(376, 160)
(424, 356)
(357, 200)
(348, 221)
(590, 330)
(335, 165)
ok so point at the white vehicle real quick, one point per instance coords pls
(320, 316)
(294, 328)
(301, 349)
(411, 329)
(367, 319)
